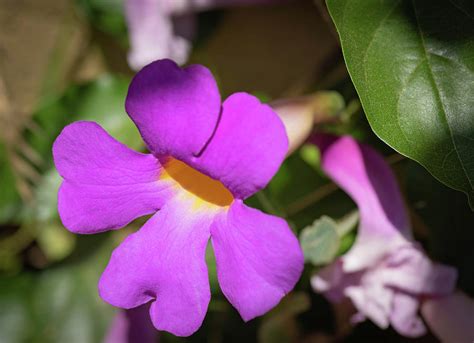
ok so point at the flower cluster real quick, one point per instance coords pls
(206, 158)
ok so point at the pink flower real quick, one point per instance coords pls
(206, 158)
(164, 28)
(386, 274)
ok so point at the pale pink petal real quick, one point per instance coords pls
(152, 34)
(409, 269)
(164, 262)
(106, 185)
(404, 315)
(332, 281)
(375, 309)
(258, 259)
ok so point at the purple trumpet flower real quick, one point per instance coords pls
(206, 158)
(385, 274)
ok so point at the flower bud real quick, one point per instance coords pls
(300, 114)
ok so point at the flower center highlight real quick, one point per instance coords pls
(200, 185)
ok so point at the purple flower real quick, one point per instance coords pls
(386, 274)
(164, 28)
(207, 157)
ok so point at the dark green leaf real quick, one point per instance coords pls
(412, 64)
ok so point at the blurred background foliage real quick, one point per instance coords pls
(65, 60)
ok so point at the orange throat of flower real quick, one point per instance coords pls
(203, 188)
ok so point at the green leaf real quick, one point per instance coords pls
(16, 316)
(103, 101)
(60, 304)
(107, 15)
(413, 67)
(320, 241)
(10, 201)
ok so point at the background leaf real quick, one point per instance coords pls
(320, 241)
(412, 64)
(60, 304)
(9, 197)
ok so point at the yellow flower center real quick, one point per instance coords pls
(205, 188)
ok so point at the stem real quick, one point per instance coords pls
(311, 198)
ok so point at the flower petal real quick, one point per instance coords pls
(375, 309)
(365, 176)
(450, 318)
(106, 185)
(258, 259)
(176, 110)
(164, 262)
(410, 270)
(247, 148)
(152, 35)
(404, 315)
(332, 281)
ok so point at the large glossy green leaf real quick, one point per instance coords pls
(412, 62)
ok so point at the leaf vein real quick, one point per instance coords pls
(461, 9)
(438, 94)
